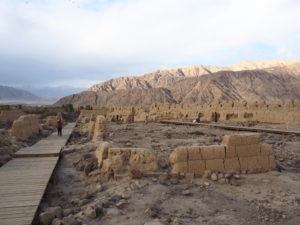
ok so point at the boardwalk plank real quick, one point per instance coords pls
(24, 180)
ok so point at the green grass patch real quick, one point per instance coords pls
(197, 133)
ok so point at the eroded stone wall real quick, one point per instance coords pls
(236, 153)
(25, 126)
(10, 115)
(285, 113)
(122, 160)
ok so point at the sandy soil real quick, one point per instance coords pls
(267, 198)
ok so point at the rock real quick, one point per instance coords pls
(163, 163)
(233, 182)
(90, 165)
(125, 195)
(189, 176)
(115, 198)
(207, 174)
(222, 180)
(149, 212)
(162, 179)
(174, 181)
(56, 221)
(206, 184)
(237, 176)
(50, 214)
(186, 192)
(176, 222)
(99, 188)
(214, 177)
(220, 175)
(69, 220)
(121, 203)
(84, 202)
(66, 212)
(135, 174)
(91, 212)
(113, 212)
(155, 222)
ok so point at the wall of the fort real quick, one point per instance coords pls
(236, 153)
(25, 126)
(288, 113)
(10, 115)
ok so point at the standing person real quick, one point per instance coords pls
(59, 123)
(216, 117)
(59, 127)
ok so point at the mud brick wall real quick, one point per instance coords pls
(287, 113)
(99, 128)
(10, 115)
(236, 153)
(26, 126)
(121, 160)
(51, 121)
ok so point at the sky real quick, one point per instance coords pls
(58, 47)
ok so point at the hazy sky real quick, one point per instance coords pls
(55, 47)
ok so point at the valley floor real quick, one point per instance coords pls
(90, 198)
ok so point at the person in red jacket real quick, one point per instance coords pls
(59, 127)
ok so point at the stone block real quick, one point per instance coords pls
(180, 154)
(232, 164)
(272, 162)
(232, 140)
(230, 151)
(179, 167)
(143, 160)
(215, 165)
(248, 150)
(124, 153)
(252, 139)
(266, 149)
(263, 161)
(102, 152)
(194, 153)
(213, 152)
(249, 163)
(196, 166)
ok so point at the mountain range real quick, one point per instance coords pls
(11, 95)
(271, 81)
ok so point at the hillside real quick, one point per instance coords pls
(14, 94)
(275, 81)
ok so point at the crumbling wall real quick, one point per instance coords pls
(26, 126)
(10, 115)
(236, 153)
(98, 129)
(122, 160)
(51, 120)
(286, 113)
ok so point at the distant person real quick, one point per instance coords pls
(216, 116)
(59, 127)
(59, 123)
(198, 118)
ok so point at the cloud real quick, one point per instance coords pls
(61, 40)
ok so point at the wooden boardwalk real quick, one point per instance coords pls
(23, 181)
(236, 128)
(49, 146)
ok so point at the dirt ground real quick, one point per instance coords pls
(266, 198)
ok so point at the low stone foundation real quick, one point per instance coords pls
(236, 153)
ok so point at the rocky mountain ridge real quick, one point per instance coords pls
(277, 80)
